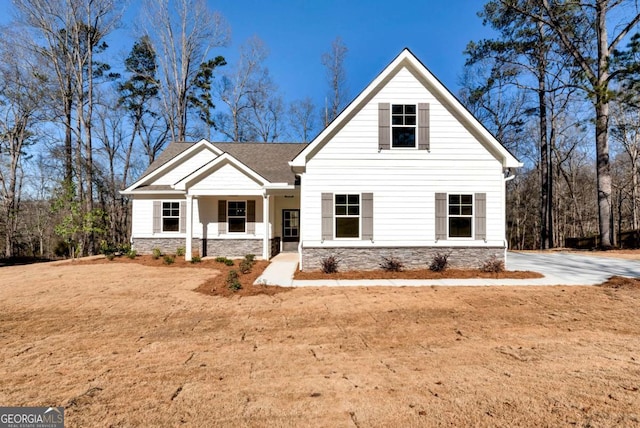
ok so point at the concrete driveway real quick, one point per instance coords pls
(573, 269)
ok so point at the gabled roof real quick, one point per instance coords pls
(268, 160)
(407, 59)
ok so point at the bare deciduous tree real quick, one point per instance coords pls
(302, 115)
(337, 78)
(183, 32)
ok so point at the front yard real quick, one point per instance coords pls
(123, 344)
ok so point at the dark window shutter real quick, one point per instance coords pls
(384, 126)
(441, 216)
(183, 216)
(222, 217)
(251, 217)
(157, 216)
(327, 216)
(367, 216)
(423, 126)
(480, 211)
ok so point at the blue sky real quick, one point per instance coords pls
(297, 32)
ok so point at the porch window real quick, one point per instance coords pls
(237, 216)
(170, 216)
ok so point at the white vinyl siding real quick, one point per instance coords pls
(227, 178)
(404, 182)
(186, 167)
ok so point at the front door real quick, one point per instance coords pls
(290, 229)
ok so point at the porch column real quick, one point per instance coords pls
(266, 243)
(187, 253)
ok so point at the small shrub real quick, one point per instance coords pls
(195, 259)
(228, 262)
(110, 256)
(232, 281)
(168, 260)
(220, 259)
(391, 264)
(329, 264)
(124, 248)
(180, 251)
(156, 253)
(245, 266)
(250, 258)
(107, 247)
(439, 262)
(493, 264)
(132, 254)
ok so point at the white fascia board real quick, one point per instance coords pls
(172, 162)
(276, 186)
(226, 192)
(151, 192)
(225, 157)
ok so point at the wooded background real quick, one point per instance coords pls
(557, 86)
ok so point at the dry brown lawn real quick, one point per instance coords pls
(123, 344)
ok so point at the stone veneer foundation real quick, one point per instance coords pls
(411, 257)
(215, 247)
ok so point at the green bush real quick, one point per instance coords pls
(195, 259)
(245, 266)
(110, 256)
(221, 259)
(228, 262)
(250, 258)
(168, 260)
(180, 251)
(156, 253)
(132, 254)
(232, 281)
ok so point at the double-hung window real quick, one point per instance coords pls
(237, 216)
(347, 216)
(403, 125)
(170, 216)
(460, 215)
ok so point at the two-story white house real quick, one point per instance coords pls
(404, 171)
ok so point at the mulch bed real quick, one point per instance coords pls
(621, 282)
(418, 274)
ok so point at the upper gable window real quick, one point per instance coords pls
(403, 125)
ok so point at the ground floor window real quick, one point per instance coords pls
(460, 215)
(170, 216)
(237, 216)
(347, 216)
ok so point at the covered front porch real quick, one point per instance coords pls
(263, 223)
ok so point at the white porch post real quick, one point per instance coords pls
(188, 250)
(266, 244)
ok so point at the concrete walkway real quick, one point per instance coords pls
(280, 271)
(558, 268)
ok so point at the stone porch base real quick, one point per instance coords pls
(411, 257)
(215, 247)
